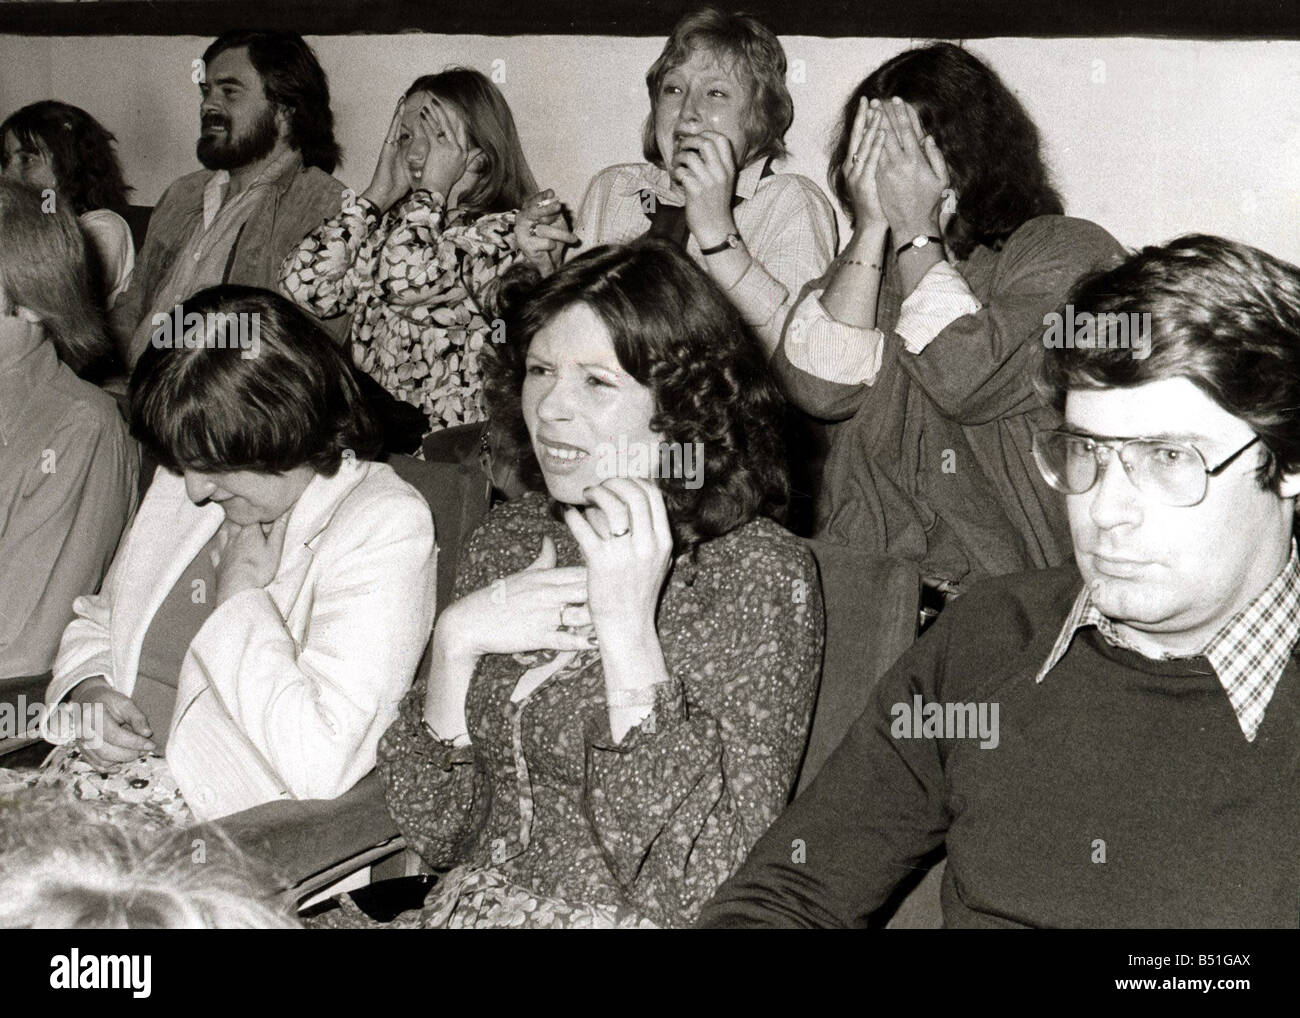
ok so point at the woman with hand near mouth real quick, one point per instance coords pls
(414, 260)
(266, 609)
(719, 109)
(620, 696)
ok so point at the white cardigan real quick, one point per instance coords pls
(286, 690)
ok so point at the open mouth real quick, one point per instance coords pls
(560, 457)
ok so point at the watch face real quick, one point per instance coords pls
(921, 242)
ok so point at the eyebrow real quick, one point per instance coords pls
(1188, 437)
(589, 365)
(228, 79)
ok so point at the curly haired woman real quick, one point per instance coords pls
(619, 699)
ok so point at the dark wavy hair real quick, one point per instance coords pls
(505, 180)
(44, 267)
(292, 78)
(676, 333)
(755, 51)
(81, 153)
(986, 137)
(1224, 315)
(207, 406)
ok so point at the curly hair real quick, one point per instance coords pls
(80, 149)
(986, 137)
(676, 333)
(44, 267)
(292, 78)
(204, 401)
(757, 54)
(1224, 316)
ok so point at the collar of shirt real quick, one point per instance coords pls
(1249, 654)
(657, 180)
(214, 191)
(20, 381)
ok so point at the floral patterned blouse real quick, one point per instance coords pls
(555, 823)
(416, 281)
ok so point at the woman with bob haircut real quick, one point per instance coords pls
(620, 695)
(267, 608)
(924, 335)
(416, 258)
(63, 148)
(68, 468)
(719, 110)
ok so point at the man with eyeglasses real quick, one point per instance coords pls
(1147, 767)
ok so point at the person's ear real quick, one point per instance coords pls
(1288, 485)
(477, 162)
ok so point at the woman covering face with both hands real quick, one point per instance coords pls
(719, 109)
(620, 696)
(415, 259)
(925, 331)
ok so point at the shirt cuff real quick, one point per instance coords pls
(835, 351)
(940, 298)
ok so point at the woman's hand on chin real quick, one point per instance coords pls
(521, 612)
(250, 557)
(627, 543)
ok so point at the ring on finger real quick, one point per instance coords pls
(620, 533)
(532, 229)
(564, 627)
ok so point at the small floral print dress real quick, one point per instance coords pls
(554, 823)
(416, 281)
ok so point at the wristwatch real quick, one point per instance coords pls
(918, 243)
(732, 241)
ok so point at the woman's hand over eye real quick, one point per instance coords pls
(391, 179)
(912, 175)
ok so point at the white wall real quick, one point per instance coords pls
(1148, 137)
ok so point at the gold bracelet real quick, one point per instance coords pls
(854, 261)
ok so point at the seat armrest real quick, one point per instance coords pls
(308, 844)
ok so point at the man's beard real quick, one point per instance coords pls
(230, 153)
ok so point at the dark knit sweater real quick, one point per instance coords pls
(1200, 827)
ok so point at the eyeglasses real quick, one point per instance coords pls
(1172, 472)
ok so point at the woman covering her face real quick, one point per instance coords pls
(924, 334)
(265, 611)
(414, 260)
(719, 109)
(621, 695)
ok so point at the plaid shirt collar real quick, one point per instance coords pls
(1248, 654)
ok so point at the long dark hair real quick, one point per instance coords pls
(678, 334)
(292, 78)
(505, 180)
(986, 137)
(85, 165)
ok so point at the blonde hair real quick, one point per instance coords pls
(61, 869)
